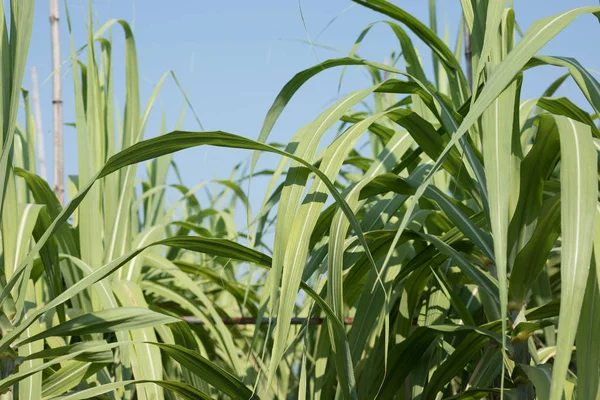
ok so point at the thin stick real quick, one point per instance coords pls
(38, 123)
(57, 103)
(252, 321)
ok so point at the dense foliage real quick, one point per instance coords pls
(453, 256)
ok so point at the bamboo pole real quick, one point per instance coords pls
(38, 123)
(57, 103)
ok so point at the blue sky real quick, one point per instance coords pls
(233, 57)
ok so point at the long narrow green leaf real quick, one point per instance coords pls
(208, 371)
(578, 210)
(186, 392)
(122, 318)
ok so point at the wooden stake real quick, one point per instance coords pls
(57, 103)
(38, 123)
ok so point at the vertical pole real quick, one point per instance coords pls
(57, 103)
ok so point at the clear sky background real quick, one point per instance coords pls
(233, 57)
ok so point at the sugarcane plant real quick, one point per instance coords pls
(443, 245)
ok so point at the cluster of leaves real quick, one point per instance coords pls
(449, 244)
